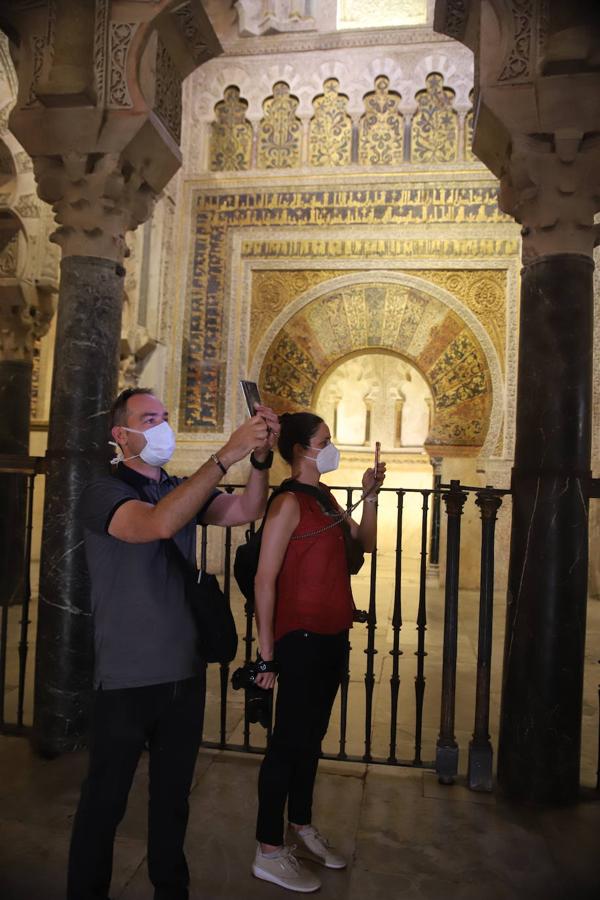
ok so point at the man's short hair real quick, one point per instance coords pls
(118, 411)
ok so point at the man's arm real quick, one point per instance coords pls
(238, 509)
(137, 522)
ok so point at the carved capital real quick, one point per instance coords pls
(107, 82)
(25, 315)
(552, 188)
(96, 199)
(136, 349)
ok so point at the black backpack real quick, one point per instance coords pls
(245, 564)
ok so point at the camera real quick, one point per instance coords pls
(258, 702)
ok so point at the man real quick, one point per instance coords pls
(149, 680)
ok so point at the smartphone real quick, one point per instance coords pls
(251, 395)
(377, 455)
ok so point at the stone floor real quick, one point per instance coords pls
(405, 835)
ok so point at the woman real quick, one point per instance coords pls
(304, 609)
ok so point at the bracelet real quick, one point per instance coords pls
(265, 464)
(218, 462)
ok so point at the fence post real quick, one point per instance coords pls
(396, 652)
(446, 760)
(434, 544)
(480, 749)
(420, 652)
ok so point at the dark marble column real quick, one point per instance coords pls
(15, 402)
(540, 729)
(83, 387)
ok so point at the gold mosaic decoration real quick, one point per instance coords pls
(434, 126)
(230, 134)
(483, 292)
(383, 316)
(272, 291)
(280, 130)
(330, 130)
(381, 128)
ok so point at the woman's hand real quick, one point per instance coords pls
(372, 480)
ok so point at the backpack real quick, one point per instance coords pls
(247, 555)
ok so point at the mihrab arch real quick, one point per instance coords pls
(406, 316)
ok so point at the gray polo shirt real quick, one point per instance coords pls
(144, 632)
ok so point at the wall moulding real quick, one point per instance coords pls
(213, 213)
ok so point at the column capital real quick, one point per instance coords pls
(107, 85)
(537, 112)
(552, 187)
(96, 199)
(25, 315)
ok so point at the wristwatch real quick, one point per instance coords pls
(266, 464)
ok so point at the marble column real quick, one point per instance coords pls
(84, 385)
(540, 729)
(15, 400)
(25, 315)
(536, 120)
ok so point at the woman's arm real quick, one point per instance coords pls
(283, 518)
(366, 531)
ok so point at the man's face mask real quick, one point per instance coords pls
(327, 459)
(160, 445)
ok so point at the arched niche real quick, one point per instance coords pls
(404, 315)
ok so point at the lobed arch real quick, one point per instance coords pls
(402, 314)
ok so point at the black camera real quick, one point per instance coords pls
(258, 702)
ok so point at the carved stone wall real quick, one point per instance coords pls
(28, 263)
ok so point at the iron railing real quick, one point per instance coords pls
(384, 736)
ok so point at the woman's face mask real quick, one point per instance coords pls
(327, 459)
(160, 445)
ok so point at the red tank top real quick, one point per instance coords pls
(313, 585)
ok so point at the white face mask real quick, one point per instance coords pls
(327, 459)
(160, 445)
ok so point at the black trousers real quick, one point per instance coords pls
(310, 671)
(167, 718)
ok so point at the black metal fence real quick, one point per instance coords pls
(444, 759)
(397, 702)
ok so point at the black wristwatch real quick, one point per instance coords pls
(266, 464)
(265, 665)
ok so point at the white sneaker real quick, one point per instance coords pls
(312, 845)
(285, 870)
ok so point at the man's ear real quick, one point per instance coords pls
(119, 434)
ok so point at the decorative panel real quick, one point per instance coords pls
(167, 103)
(381, 129)
(214, 212)
(434, 126)
(330, 133)
(280, 130)
(231, 133)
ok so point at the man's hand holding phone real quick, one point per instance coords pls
(256, 409)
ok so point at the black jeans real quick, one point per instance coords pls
(310, 671)
(167, 718)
